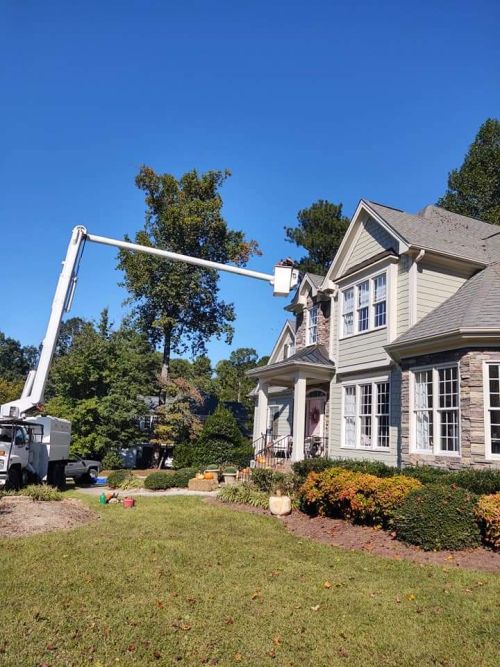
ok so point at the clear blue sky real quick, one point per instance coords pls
(301, 100)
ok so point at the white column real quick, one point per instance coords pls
(262, 402)
(299, 417)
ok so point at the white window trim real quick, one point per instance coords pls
(308, 324)
(436, 419)
(371, 305)
(357, 383)
(488, 454)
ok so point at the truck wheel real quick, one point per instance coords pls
(90, 476)
(60, 476)
(14, 480)
(25, 477)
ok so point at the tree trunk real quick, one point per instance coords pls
(167, 341)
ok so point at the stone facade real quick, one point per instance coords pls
(323, 323)
(472, 427)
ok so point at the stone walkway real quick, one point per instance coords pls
(97, 490)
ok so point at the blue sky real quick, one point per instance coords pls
(301, 100)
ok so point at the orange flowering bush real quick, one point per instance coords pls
(360, 497)
(487, 513)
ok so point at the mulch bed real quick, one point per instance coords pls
(339, 533)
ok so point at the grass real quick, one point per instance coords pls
(179, 582)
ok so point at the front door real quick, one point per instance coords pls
(315, 417)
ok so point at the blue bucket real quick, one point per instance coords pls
(101, 481)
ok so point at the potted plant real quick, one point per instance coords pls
(229, 474)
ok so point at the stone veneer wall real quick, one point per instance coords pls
(323, 324)
(472, 440)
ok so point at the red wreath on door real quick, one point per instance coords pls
(315, 415)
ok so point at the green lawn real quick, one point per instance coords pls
(179, 582)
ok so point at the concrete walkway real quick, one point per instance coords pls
(97, 490)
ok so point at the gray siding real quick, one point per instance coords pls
(358, 352)
(283, 405)
(436, 284)
(403, 295)
(372, 240)
(390, 457)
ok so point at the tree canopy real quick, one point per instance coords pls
(474, 189)
(231, 383)
(178, 305)
(320, 230)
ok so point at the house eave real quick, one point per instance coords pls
(450, 340)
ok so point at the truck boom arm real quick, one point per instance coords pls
(283, 280)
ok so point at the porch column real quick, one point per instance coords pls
(299, 417)
(262, 402)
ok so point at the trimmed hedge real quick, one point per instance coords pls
(269, 481)
(487, 513)
(165, 479)
(437, 517)
(303, 468)
(482, 482)
(427, 474)
(359, 497)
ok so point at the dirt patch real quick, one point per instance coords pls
(339, 533)
(22, 516)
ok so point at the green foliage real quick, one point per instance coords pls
(303, 468)
(487, 513)
(474, 189)
(117, 477)
(112, 460)
(231, 382)
(438, 517)
(426, 474)
(269, 481)
(176, 420)
(220, 441)
(41, 492)
(97, 384)
(320, 231)
(178, 305)
(230, 470)
(164, 479)
(482, 482)
(15, 360)
(245, 494)
(197, 372)
(10, 390)
(184, 455)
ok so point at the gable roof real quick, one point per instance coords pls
(442, 231)
(313, 355)
(289, 326)
(474, 307)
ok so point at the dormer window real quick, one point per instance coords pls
(312, 325)
(364, 306)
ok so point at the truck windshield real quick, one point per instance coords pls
(6, 434)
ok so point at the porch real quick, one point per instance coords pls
(305, 379)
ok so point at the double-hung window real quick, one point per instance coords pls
(348, 311)
(312, 325)
(366, 415)
(436, 402)
(364, 306)
(363, 315)
(492, 409)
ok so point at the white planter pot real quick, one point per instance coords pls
(229, 478)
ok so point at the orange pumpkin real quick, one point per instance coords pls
(209, 475)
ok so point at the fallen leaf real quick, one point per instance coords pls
(131, 648)
(159, 604)
(238, 657)
(315, 608)
(327, 584)
(51, 647)
(229, 620)
(271, 653)
(411, 597)
(157, 655)
(277, 640)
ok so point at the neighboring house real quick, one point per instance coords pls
(394, 355)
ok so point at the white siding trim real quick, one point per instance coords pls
(488, 455)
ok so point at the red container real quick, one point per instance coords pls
(128, 502)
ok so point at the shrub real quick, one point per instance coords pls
(360, 497)
(220, 441)
(438, 517)
(118, 477)
(269, 481)
(241, 456)
(112, 460)
(427, 474)
(378, 468)
(131, 482)
(183, 455)
(482, 482)
(244, 493)
(169, 479)
(303, 468)
(41, 492)
(487, 512)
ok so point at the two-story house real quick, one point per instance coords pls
(394, 355)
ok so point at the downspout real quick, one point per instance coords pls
(413, 287)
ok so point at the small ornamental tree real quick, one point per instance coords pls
(220, 441)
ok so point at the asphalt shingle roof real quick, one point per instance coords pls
(312, 354)
(475, 305)
(439, 230)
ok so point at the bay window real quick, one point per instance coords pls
(364, 306)
(366, 415)
(435, 409)
(492, 409)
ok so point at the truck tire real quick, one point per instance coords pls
(14, 480)
(56, 475)
(90, 476)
